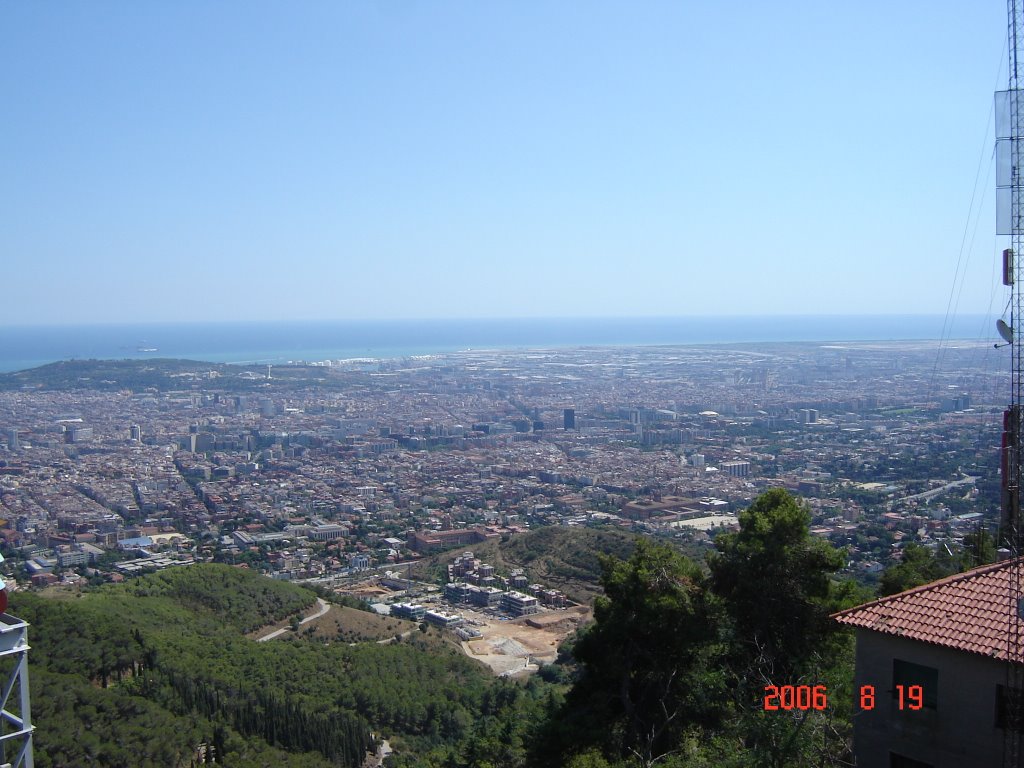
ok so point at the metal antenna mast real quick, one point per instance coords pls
(15, 703)
(1010, 221)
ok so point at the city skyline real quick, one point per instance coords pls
(453, 161)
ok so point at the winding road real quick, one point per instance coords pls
(324, 608)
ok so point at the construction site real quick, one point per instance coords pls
(512, 647)
(511, 632)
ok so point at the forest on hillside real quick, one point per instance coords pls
(159, 671)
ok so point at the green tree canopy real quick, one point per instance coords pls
(648, 661)
(775, 579)
(979, 548)
(919, 565)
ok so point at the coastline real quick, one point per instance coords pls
(263, 343)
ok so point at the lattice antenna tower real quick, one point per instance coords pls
(15, 703)
(1009, 112)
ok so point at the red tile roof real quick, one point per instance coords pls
(972, 611)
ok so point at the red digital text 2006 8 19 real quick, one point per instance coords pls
(804, 697)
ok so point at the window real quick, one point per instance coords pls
(906, 674)
(1009, 707)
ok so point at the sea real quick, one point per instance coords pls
(23, 347)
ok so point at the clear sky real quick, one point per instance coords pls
(196, 160)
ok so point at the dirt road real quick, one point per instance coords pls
(324, 608)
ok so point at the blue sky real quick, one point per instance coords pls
(329, 160)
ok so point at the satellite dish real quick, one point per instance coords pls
(1005, 331)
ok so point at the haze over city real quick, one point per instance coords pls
(164, 162)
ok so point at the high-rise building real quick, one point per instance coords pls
(569, 418)
(736, 468)
(78, 434)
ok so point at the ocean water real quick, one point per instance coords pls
(266, 342)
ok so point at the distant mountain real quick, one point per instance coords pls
(161, 374)
(110, 374)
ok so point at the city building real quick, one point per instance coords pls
(78, 434)
(443, 620)
(519, 604)
(409, 611)
(432, 541)
(328, 532)
(457, 592)
(736, 468)
(360, 561)
(484, 597)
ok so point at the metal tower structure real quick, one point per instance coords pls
(15, 704)
(1009, 119)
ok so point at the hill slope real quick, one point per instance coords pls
(556, 556)
(158, 670)
(164, 374)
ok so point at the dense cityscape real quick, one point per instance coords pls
(511, 386)
(466, 501)
(373, 463)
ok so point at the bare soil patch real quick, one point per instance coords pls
(522, 645)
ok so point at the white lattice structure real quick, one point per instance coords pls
(15, 703)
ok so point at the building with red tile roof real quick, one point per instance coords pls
(969, 611)
(931, 670)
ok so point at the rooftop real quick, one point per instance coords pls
(972, 611)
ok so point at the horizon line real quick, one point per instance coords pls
(494, 318)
